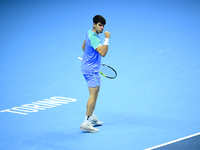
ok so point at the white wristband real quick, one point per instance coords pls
(106, 41)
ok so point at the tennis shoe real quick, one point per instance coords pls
(95, 122)
(88, 127)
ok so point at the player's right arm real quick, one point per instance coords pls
(102, 50)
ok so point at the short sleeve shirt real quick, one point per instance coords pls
(91, 58)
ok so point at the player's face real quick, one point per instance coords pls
(98, 28)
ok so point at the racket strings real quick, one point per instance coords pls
(107, 71)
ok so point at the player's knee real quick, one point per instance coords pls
(94, 96)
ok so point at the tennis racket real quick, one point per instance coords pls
(106, 71)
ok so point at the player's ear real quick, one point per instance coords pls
(94, 25)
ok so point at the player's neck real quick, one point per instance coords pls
(95, 31)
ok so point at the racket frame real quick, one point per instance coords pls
(108, 76)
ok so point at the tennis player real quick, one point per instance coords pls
(93, 51)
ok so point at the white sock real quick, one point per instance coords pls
(93, 115)
(87, 119)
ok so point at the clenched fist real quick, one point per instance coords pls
(107, 34)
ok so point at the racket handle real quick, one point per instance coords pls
(80, 58)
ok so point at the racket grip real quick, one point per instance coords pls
(80, 58)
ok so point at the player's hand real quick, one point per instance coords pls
(107, 34)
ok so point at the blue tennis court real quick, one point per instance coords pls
(154, 47)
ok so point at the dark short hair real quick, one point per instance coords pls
(99, 18)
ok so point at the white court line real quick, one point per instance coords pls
(187, 137)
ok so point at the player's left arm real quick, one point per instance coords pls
(83, 46)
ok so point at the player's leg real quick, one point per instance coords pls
(92, 100)
(86, 125)
(91, 106)
(93, 82)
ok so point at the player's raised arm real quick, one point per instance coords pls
(102, 50)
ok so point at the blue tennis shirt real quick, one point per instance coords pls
(91, 58)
